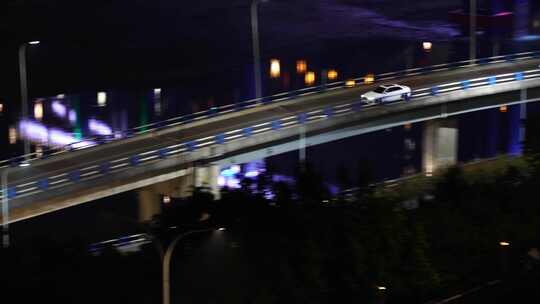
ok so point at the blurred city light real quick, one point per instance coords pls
(503, 109)
(39, 133)
(252, 174)
(59, 109)
(426, 45)
(504, 243)
(157, 93)
(34, 42)
(1, 107)
(99, 127)
(166, 199)
(309, 79)
(61, 96)
(38, 110)
(369, 78)
(12, 135)
(332, 75)
(102, 99)
(222, 229)
(301, 66)
(39, 151)
(381, 287)
(72, 116)
(275, 68)
(350, 83)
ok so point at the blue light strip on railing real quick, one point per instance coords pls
(282, 97)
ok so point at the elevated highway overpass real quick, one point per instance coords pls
(172, 158)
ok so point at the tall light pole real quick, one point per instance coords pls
(472, 29)
(5, 205)
(5, 209)
(256, 47)
(166, 263)
(24, 87)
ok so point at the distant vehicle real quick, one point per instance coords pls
(387, 93)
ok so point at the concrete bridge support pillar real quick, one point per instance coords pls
(440, 144)
(207, 176)
(149, 204)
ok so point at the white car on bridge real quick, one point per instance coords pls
(387, 93)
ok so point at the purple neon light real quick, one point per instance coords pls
(37, 132)
(72, 116)
(59, 109)
(34, 131)
(98, 127)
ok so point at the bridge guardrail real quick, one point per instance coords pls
(73, 176)
(279, 97)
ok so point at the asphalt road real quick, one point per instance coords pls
(209, 127)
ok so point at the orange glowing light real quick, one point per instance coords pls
(309, 79)
(369, 78)
(275, 68)
(332, 75)
(38, 110)
(350, 83)
(301, 66)
(426, 45)
(504, 244)
(503, 109)
(12, 135)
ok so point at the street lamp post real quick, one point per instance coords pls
(166, 262)
(256, 47)
(24, 87)
(472, 24)
(5, 208)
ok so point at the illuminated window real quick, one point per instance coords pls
(275, 68)
(332, 74)
(301, 66)
(38, 110)
(102, 99)
(12, 135)
(370, 78)
(309, 79)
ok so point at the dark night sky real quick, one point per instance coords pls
(89, 44)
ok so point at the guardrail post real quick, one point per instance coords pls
(220, 139)
(329, 112)
(134, 160)
(11, 192)
(190, 146)
(104, 168)
(465, 84)
(492, 80)
(43, 184)
(302, 118)
(248, 131)
(163, 153)
(276, 125)
(519, 76)
(75, 176)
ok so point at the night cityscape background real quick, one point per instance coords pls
(226, 152)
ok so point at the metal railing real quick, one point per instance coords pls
(108, 167)
(280, 97)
